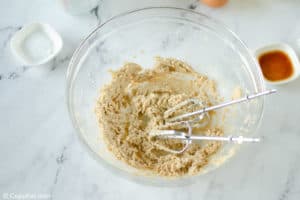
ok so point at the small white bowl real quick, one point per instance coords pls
(290, 52)
(36, 44)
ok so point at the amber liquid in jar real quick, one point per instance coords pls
(276, 65)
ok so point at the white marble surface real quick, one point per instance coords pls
(40, 154)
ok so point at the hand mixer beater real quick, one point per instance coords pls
(197, 119)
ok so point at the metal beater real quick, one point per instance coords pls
(195, 119)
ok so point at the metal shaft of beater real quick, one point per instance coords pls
(237, 139)
(222, 105)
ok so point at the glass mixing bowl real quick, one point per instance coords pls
(141, 35)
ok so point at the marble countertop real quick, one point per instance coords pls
(41, 155)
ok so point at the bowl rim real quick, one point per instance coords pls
(162, 181)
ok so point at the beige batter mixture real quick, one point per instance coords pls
(132, 105)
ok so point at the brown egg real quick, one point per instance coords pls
(215, 3)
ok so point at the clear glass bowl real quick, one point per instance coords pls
(139, 36)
